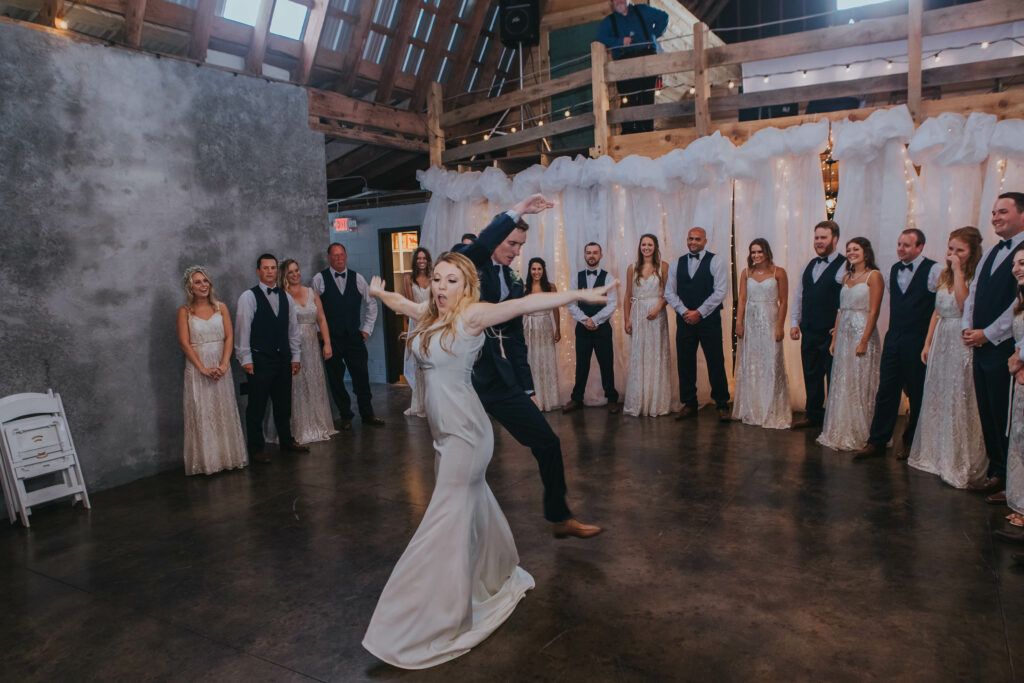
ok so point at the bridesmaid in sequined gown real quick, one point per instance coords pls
(648, 384)
(762, 389)
(213, 432)
(856, 352)
(417, 289)
(542, 332)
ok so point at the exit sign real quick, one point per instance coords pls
(344, 224)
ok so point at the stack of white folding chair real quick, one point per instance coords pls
(35, 441)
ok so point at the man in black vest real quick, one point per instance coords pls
(501, 375)
(632, 31)
(695, 289)
(912, 284)
(593, 333)
(343, 292)
(987, 327)
(813, 316)
(268, 346)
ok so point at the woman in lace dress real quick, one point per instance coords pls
(948, 441)
(542, 331)
(1015, 453)
(856, 352)
(459, 578)
(648, 384)
(762, 389)
(311, 412)
(213, 432)
(417, 289)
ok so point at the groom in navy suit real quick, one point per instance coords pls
(502, 377)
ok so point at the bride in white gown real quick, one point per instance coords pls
(459, 578)
(762, 390)
(856, 352)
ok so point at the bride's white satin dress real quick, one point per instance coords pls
(459, 578)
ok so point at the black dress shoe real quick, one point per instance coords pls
(373, 421)
(724, 414)
(570, 407)
(259, 456)
(996, 498)
(614, 408)
(294, 447)
(685, 412)
(805, 424)
(872, 450)
(344, 423)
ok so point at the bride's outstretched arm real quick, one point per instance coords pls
(480, 316)
(396, 302)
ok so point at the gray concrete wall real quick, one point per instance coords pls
(363, 248)
(118, 170)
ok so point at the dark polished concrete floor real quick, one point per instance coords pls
(731, 553)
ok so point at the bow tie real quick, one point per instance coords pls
(591, 272)
(821, 259)
(341, 274)
(272, 290)
(1005, 243)
(905, 266)
(697, 256)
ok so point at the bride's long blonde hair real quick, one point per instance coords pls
(435, 323)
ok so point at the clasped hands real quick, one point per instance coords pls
(215, 373)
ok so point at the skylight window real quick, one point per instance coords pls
(289, 18)
(850, 4)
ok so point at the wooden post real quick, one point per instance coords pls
(258, 46)
(701, 87)
(134, 14)
(435, 136)
(914, 17)
(49, 12)
(599, 88)
(202, 22)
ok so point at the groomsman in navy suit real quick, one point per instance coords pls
(813, 315)
(988, 328)
(695, 289)
(593, 333)
(502, 377)
(913, 280)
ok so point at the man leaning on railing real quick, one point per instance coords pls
(632, 31)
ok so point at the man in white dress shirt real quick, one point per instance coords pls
(695, 289)
(351, 313)
(593, 333)
(268, 346)
(987, 326)
(813, 315)
(911, 285)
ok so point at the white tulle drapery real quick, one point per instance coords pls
(773, 183)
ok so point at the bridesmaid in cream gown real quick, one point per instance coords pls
(948, 440)
(762, 389)
(459, 578)
(1015, 452)
(856, 352)
(417, 289)
(542, 332)
(213, 432)
(648, 384)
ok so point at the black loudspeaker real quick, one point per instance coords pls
(519, 21)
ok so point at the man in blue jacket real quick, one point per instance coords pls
(502, 377)
(632, 31)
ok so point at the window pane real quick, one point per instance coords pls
(242, 11)
(454, 39)
(289, 19)
(465, 7)
(424, 26)
(412, 61)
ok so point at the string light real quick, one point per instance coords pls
(936, 56)
(566, 113)
(625, 100)
(888, 65)
(731, 85)
(513, 129)
(847, 68)
(61, 23)
(464, 141)
(984, 45)
(657, 92)
(541, 122)
(487, 136)
(692, 90)
(805, 73)
(766, 79)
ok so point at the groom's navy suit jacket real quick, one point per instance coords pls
(502, 368)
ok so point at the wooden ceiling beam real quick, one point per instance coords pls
(432, 56)
(464, 58)
(354, 52)
(258, 45)
(335, 106)
(311, 40)
(390, 67)
(134, 15)
(353, 161)
(368, 136)
(202, 23)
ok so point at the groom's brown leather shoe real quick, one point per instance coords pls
(294, 447)
(685, 412)
(902, 451)
(570, 407)
(373, 421)
(614, 408)
(259, 456)
(872, 450)
(573, 527)
(804, 424)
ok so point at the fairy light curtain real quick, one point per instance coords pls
(773, 183)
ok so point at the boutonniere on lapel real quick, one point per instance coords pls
(513, 275)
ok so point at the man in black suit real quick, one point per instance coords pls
(813, 316)
(912, 284)
(502, 377)
(593, 333)
(988, 329)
